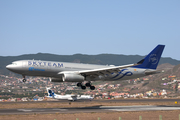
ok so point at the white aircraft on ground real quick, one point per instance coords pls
(77, 72)
(53, 95)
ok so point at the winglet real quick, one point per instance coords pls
(152, 59)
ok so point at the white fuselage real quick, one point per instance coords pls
(51, 69)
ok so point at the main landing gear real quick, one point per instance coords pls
(88, 84)
(24, 79)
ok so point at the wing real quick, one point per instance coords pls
(104, 71)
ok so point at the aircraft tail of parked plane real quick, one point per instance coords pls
(50, 92)
(80, 73)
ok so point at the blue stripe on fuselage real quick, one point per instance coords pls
(128, 73)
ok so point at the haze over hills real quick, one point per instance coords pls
(104, 59)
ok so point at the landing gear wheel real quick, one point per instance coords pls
(83, 87)
(24, 80)
(88, 84)
(79, 84)
(92, 87)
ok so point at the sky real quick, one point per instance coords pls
(67, 27)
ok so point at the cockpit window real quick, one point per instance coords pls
(14, 63)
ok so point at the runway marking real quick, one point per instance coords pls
(134, 106)
(139, 108)
(24, 110)
(60, 109)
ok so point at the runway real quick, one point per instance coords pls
(88, 109)
(111, 100)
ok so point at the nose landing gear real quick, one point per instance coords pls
(24, 79)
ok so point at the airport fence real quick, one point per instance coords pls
(140, 118)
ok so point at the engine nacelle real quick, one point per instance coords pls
(56, 80)
(71, 77)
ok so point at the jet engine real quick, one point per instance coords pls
(56, 80)
(71, 77)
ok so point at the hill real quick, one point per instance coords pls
(104, 59)
(157, 81)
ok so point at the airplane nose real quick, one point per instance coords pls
(13, 67)
(8, 67)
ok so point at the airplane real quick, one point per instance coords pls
(53, 95)
(81, 73)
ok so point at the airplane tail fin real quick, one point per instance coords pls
(50, 92)
(152, 59)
